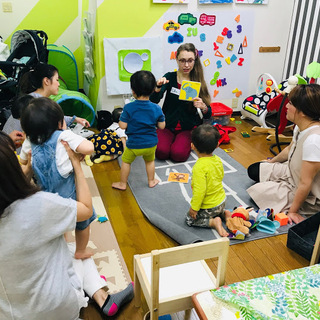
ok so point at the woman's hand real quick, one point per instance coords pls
(198, 103)
(193, 213)
(160, 83)
(85, 123)
(294, 217)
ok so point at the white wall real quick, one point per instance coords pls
(10, 20)
(271, 29)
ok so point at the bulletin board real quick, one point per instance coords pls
(224, 42)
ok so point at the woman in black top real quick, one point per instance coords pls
(181, 116)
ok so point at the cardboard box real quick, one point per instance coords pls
(220, 113)
(302, 236)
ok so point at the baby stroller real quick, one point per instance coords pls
(28, 47)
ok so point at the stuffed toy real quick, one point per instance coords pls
(238, 224)
(107, 146)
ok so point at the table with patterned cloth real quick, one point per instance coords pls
(294, 294)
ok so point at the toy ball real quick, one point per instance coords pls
(268, 90)
(269, 82)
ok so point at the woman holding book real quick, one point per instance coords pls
(181, 116)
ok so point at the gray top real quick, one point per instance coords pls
(37, 279)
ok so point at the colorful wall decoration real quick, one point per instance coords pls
(252, 1)
(224, 43)
(171, 1)
(214, 1)
(125, 56)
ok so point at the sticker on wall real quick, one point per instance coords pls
(224, 45)
(187, 18)
(214, 1)
(171, 25)
(206, 19)
(175, 38)
(252, 1)
(124, 56)
(130, 61)
(171, 1)
(189, 90)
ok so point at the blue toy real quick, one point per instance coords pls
(102, 219)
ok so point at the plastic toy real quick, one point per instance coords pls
(245, 134)
(266, 225)
(313, 71)
(262, 221)
(102, 219)
(261, 98)
(238, 224)
(282, 218)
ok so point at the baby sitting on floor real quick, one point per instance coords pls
(207, 205)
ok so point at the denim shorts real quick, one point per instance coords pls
(84, 224)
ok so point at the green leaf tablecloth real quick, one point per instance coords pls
(293, 294)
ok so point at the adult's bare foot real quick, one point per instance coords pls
(119, 185)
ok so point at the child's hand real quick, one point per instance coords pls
(85, 123)
(27, 167)
(193, 213)
(18, 137)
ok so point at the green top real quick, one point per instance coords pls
(206, 183)
(176, 110)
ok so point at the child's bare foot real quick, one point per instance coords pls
(83, 254)
(119, 185)
(227, 214)
(217, 224)
(153, 183)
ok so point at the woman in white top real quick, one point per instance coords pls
(290, 181)
(38, 277)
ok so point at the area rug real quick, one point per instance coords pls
(165, 206)
(103, 243)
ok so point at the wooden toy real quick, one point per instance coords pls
(282, 218)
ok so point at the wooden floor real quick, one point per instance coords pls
(136, 235)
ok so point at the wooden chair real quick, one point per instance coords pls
(316, 250)
(169, 277)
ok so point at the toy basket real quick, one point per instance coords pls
(302, 236)
(220, 113)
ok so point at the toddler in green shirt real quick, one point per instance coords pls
(207, 205)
